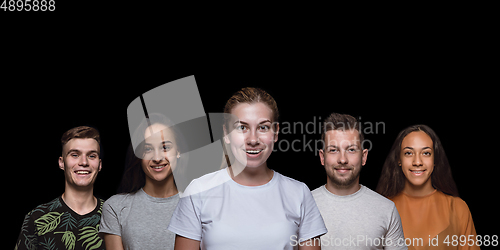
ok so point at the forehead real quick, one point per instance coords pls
(82, 144)
(252, 112)
(417, 139)
(341, 138)
(158, 133)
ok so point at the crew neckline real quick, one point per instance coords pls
(417, 197)
(348, 197)
(63, 203)
(157, 199)
(269, 183)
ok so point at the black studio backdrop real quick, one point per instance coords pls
(98, 96)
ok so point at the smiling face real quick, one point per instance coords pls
(254, 134)
(417, 159)
(343, 157)
(80, 162)
(160, 152)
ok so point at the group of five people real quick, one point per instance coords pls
(415, 206)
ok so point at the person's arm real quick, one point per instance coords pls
(394, 237)
(183, 243)
(310, 244)
(113, 241)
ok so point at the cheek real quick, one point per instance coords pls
(236, 139)
(354, 159)
(172, 157)
(330, 159)
(267, 139)
(145, 165)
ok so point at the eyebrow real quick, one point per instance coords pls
(163, 142)
(348, 146)
(413, 148)
(244, 123)
(79, 152)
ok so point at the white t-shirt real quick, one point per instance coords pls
(276, 215)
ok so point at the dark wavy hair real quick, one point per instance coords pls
(392, 179)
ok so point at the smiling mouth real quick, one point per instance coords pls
(159, 167)
(342, 170)
(253, 152)
(417, 172)
(82, 172)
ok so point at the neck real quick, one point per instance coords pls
(160, 189)
(420, 190)
(251, 176)
(342, 190)
(80, 200)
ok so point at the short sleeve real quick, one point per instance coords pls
(394, 238)
(186, 220)
(27, 237)
(110, 221)
(311, 223)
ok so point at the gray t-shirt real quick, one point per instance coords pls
(141, 220)
(363, 220)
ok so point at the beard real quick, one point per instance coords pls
(344, 181)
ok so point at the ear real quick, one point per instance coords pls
(178, 154)
(322, 156)
(100, 165)
(226, 136)
(61, 163)
(364, 157)
(276, 131)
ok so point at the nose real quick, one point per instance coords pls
(83, 161)
(342, 158)
(417, 161)
(252, 139)
(158, 156)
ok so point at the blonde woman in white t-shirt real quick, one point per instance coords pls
(254, 207)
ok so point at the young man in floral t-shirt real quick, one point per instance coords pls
(70, 221)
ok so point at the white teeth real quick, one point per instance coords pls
(158, 167)
(253, 151)
(418, 172)
(82, 172)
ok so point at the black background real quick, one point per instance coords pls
(57, 76)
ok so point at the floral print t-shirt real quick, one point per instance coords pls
(54, 225)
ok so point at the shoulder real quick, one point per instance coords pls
(206, 182)
(375, 197)
(457, 205)
(318, 192)
(293, 190)
(118, 201)
(45, 208)
(290, 183)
